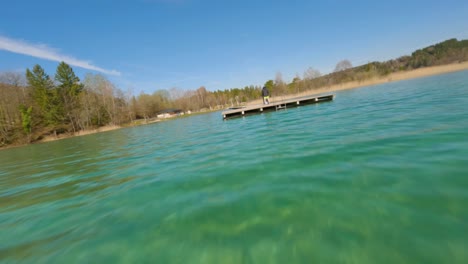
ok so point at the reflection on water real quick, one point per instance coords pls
(377, 175)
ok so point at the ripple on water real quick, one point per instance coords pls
(377, 175)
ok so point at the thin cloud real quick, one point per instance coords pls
(45, 52)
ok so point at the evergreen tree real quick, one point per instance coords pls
(43, 94)
(26, 119)
(69, 89)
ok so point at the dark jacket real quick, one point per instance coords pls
(265, 92)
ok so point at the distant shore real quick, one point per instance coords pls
(399, 76)
(422, 72)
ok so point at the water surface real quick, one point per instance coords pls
(379, 175)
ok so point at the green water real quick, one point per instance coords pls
(379, 175)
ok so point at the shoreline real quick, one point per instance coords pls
(393, 77)
(79, 133)
(66, 135)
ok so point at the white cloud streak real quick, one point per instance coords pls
(44, 52)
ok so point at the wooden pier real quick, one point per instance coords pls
(275, 106)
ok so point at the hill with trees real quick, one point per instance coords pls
(36, 105)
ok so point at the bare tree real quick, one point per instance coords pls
(343, 65)
(201, 96)
(280, 85)
(103, 102)
(311, 73)
(13, 78)
(176, 93)
(10, 118)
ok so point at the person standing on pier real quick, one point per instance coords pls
(266, 95)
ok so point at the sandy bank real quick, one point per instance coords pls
(66, 135)
(80, 133)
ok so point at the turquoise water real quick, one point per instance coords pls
(379, 175)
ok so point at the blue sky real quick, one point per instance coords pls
(146, 45)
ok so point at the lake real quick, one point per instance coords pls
(378, 175)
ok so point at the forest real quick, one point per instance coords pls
(34, 104)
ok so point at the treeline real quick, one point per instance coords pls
(35, 105)
(447, 52)
(46, 105)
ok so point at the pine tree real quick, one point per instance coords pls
(69, 89)
(44, 95)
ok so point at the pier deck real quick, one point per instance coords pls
(275, 106)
